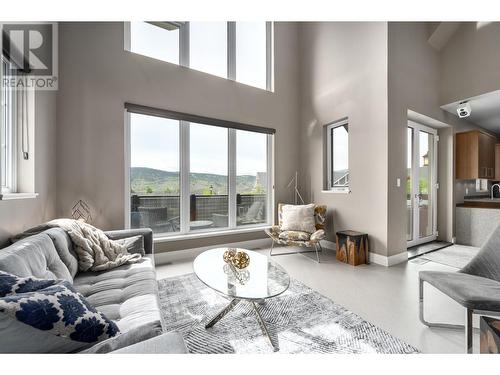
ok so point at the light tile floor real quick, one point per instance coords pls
(385, 296)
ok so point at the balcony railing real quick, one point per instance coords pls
(162, 212)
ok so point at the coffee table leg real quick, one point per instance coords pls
(264, 327)
(222, 313)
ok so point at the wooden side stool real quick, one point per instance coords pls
(352, 247)
(489, 336)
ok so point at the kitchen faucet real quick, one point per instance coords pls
(493, 189)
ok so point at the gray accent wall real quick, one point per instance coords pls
(374, 73)
(414, 83)
(422, 79)
(470, 62)
(344, 74)
(98, 77)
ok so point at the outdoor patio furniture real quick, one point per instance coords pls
(155, 218)
(200, 224)
(220, 220)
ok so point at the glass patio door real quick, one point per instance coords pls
(421, 184)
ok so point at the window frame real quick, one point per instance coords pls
(329, 128)
(184, 172)
(8, 100)
(184, 45)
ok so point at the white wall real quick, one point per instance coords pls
(344, 73)
(97, 77)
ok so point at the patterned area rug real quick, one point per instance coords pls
(300, 321)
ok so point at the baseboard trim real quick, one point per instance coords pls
(190, 254)
(398, 258)
(374, 258)
(262, 243)
(388, 261)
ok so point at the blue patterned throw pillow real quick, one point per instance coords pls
(55, 307)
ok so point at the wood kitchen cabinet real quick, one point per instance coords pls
(475, 155)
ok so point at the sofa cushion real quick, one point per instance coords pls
(294, 235)
(135, 335)
(298, 218)
(472, 292)
(17, 337)
(134, 244)
(53, 308)
(64, 247)
(34, 256)
(127, 294)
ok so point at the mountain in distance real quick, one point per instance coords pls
(155, 181)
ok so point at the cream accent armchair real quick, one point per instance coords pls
(296, 238)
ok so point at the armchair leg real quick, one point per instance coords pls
(317, 253)
(468, 320)
(272, 247)
(468, 331)
(421, 312)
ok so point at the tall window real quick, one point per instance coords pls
(192, 175)
(208, 177)
(337, 157)
(151, 40)
(240, 51)
(208, 47)
(154, 173)
(7, 136)
(251, 53)
(251, 177)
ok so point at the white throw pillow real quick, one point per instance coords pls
(298, 218)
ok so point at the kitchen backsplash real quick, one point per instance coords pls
(467, 188)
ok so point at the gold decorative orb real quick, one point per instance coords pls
(229, 255)
(240, 260)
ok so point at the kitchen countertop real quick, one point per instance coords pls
(480, 202)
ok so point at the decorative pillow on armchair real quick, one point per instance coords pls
(49, 314)
(298, 218)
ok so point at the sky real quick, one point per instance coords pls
(155, 141)
(208, 48)
(340, 149)
(155, 144)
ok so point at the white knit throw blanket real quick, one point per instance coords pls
(95, 251)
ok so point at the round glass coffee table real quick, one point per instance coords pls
(261, 280)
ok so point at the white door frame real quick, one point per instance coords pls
(415, 183)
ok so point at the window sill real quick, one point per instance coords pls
(337, 191)
(14, 196)
(189, 236)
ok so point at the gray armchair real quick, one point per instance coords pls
(476, 286)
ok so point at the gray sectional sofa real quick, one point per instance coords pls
(128, 295)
